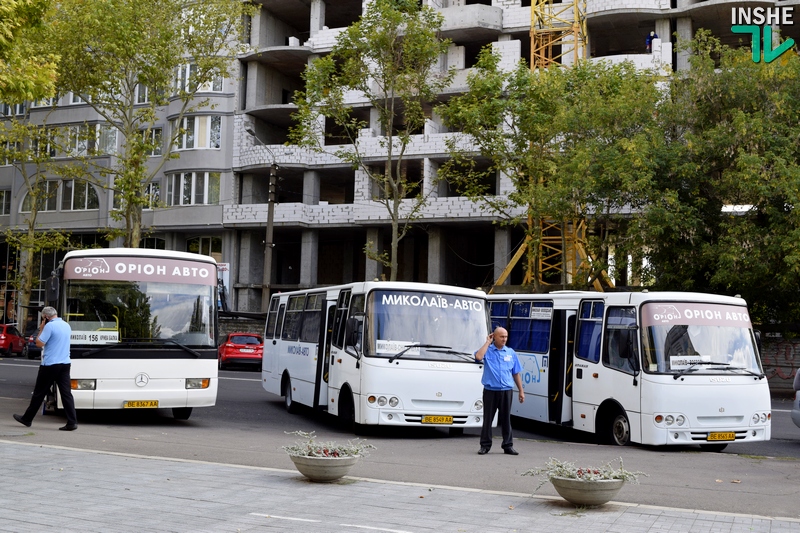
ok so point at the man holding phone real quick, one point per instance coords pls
(53, 338)
(501, 368)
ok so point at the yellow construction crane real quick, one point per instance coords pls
(558, 29)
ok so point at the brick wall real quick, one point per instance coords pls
(781, 359)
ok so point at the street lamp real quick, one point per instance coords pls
(268, 242)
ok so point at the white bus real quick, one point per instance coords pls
(379, 353)
(144, 329)
(656, 368)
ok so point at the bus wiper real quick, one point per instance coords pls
(466, 356)
(746, 371)
(407, 348)
(139, 342)
(693, 368)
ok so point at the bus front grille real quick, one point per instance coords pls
(702, 436)
(416, 418)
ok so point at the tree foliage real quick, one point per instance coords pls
(573, 142)
(112, 51)
(390, 59)
(733, 139)
(27, 71)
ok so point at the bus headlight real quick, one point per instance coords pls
(83, 384)
(393, 401)
(756, 418)
(197, 383)
(680, 420)
(669, 420)
(478, 405)
(382, 401)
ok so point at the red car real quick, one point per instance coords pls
(11, 340)
(241, 349)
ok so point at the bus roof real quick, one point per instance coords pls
(623, 297)
(366, 286)
(140, 252)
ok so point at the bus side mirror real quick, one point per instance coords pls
(757, 333)
(352, 333)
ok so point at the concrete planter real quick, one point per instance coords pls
(324, 469)
(581, 492)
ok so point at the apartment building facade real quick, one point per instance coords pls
(214, 199)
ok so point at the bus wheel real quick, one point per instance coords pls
(713, 447)
(619, 432)
(181, 413)
(291, 406)
(455, 432)
(347, 412)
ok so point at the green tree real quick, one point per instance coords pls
(574, 142)
(732, 128)
(26, 71)
(30, 150)
(131, 59)
(390, 58)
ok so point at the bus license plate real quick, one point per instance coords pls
(437, 419)
(140, 404)
(722, 436)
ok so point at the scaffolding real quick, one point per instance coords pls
(558, 38)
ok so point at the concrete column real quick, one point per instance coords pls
(373, 268)
(311, 181)
(685, 33)
(309, 257)
(406, 259)
(430, 171)
(662, 30)
(317, 16)
(436, 255)
(502, 251)
(249, 270)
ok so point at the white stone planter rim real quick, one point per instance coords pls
(585, 492)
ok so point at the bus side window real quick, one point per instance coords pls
(272, 318)
(590, 326)
(498, 314)
(342, 303)
(619, 350)
(279, 321)
(294, 318)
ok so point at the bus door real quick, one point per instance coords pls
(562, 342)
(342, 362)
(606, 367)
(324, 359)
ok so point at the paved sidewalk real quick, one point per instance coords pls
(50, 488)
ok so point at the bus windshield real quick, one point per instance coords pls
(422, 325)
(698, 338)
(103, 311)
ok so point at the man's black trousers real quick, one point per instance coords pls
(44, 379)
(494, 401)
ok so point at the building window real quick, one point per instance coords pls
(106, 139)
(153, 141)
(185, 79)
(211, 246)
(198, 132)
(43, 145)
(153, 243)
(142, 94)
(5, 202)
(152, 191)
(44, 102)
(45, 197)
(12, 109)
(9, 152)
(78, 195)
(193, 188)
(101, 139)
(75, 99)
(77, 140)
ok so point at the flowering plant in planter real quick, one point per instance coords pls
(555, 468)
(310, 447)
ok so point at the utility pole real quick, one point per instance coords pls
(268, 244)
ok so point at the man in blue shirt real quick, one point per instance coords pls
(54, 336)
(501, 368)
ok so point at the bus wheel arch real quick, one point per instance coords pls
(612, 425)
(286, 392)
(181, 413)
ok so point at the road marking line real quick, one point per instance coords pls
(284, 517)
(376, 528)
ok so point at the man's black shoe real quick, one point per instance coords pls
(68, 428)
(483, 451)
(510, 451)
(21, 420)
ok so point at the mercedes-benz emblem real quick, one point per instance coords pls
(142, 379)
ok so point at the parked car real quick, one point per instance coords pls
(796, 404)
(241, 349)
(32, 351)
(11, 340)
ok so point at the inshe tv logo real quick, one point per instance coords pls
(758, 21)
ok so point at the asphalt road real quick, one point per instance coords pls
(248, 425)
